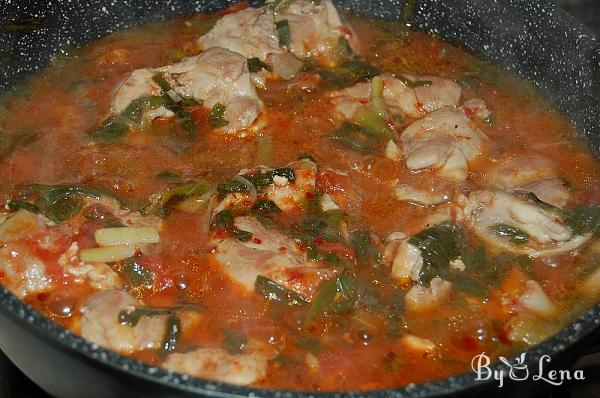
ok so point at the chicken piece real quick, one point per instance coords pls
(545, 232)
(136, 85)
(419, 298)
(406, 259)
(218, 364)
(434, 192)
(100, 323)
(249, 32)
(445, 140)
(534, 300)
(398, 97)
(22, 272)
(286, 194)
(315, 30)
(270, 254)
(476, 107)
(99, 275)
(215, 76)
(532, 173)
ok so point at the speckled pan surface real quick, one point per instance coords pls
(532, 38)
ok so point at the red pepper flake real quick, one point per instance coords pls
(310, 195)
(258, 241)
(247, 203)
(470, 112)
(319, 241)
(420, 106)
(221, 233)
(283, 249)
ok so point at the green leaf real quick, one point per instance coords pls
(217, 115)
(413, 83)
(256, 65)
(516, 235)
(367, 252)
(111, 129)
(131, 317)
(223, 219)
(356, 138)
(137, 274)
(159, 205)
(283, 32)
(322, 301)
(275, 292)
(439, 245)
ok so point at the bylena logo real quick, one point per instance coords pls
(519, 370)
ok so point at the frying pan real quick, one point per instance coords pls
(534, 39)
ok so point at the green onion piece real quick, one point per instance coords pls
(322, 301)
(347, 288)
(283, 31)
(372, 121)
(265, 150)
(309, 344)
(217, 115)
(354, 137)
(111, 129)
(242, 236)
(367, 252)
(107, 254)
(255, 65)
(131, 317)
(275, 292)
(232, 187)
(162, 82)
(438, 245)
(159, 203)
(413, 83)
(266, 206)
(516, 235)
(15, 205)
(126, 236)
(172, 335)
(223, 219)
(137, 274)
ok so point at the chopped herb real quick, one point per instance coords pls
(322, 301)
(131, 317)
(111, 129)
(357, 70)
(438, 245)
(234, 342)
(161, 202)
(356, 138)
(413, 83)
(223, 219)
(168, 176)
(283, 32)
(347, 288)
(516, 235)
(274, 292)
(138, 275)
(367, 252)
(217, 115)
(583, 219)
(256, 65)
(469, 285)
(242, 236)
(266, 206)
(162, 82)
(15, 205)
